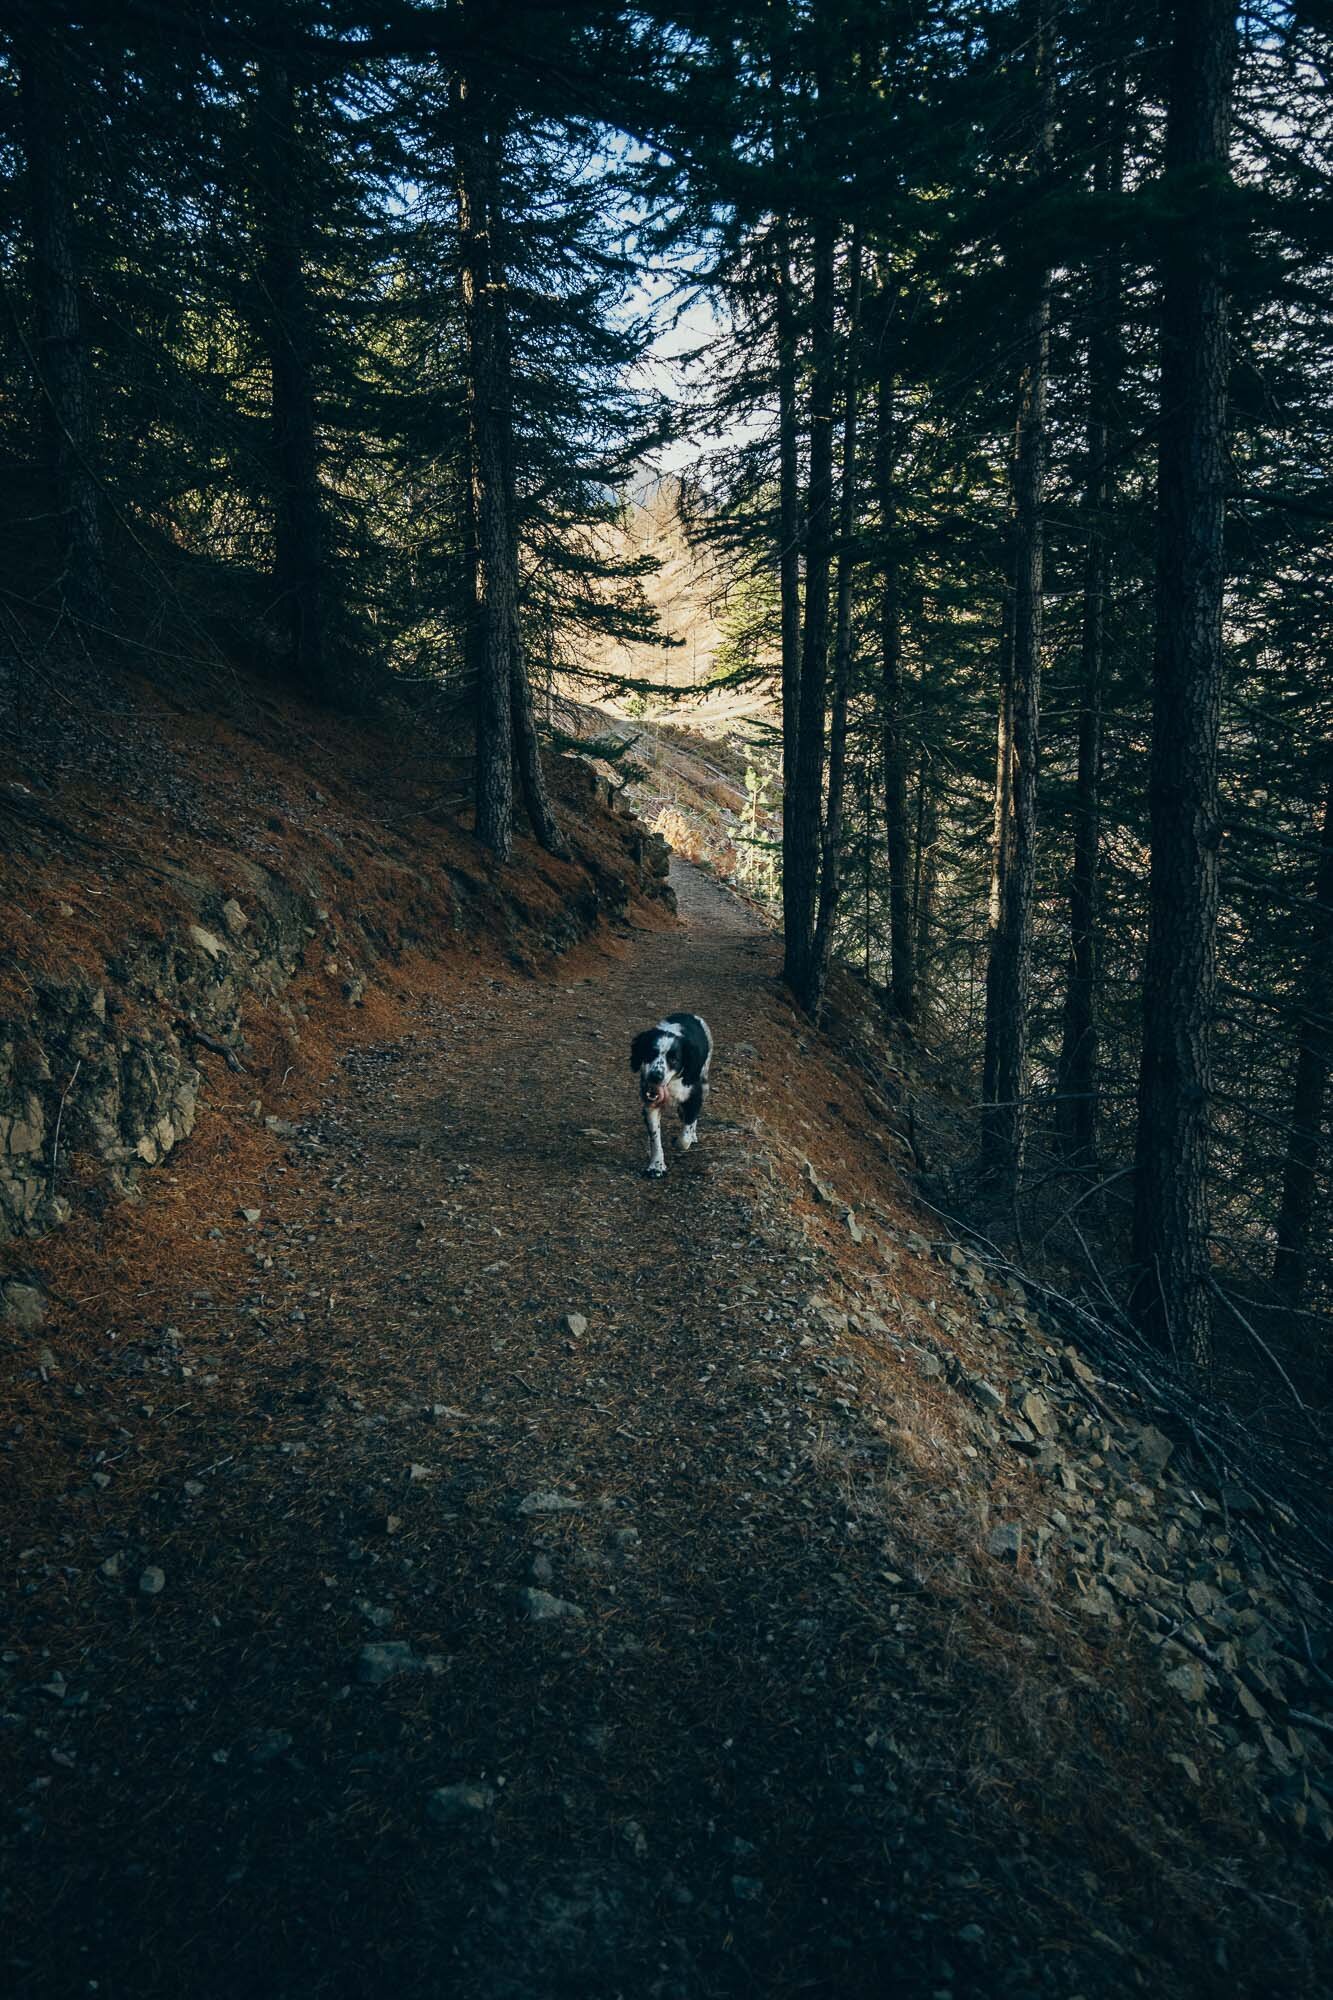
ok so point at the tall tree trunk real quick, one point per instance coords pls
(496, 577)
(1314, 1059)
(893, 749)
(1077, 1089)
(298, 515)
(924, 877)
(925, 817)
(789, 502)
(1008, 973)
(830, 879)
(801, 868)
(1171, 1294)
(63, 370)
(1001, 821)
(527, 744)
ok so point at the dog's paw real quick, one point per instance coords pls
(687, 1139)
(655, 1172)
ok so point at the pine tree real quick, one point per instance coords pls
(60, 354)
(1171, 1297)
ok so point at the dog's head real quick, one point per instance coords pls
(655, 1056)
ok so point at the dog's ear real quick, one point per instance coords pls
(641, 1049)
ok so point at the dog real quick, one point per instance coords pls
(671, 1062)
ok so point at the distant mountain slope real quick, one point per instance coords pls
(689, 593)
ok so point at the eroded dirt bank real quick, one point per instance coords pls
(486, 1572)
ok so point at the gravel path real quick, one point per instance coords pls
(518, 1633)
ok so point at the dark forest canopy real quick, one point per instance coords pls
(1017, 458)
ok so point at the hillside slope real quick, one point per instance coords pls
(207, 890)
(448, 1562)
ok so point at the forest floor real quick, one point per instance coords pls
(478, 1570)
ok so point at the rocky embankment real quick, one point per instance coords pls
(1074, 1484)
(100, 1072)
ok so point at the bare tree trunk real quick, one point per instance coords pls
(1077, 1089)
(298, 515)
(496, 579)
(893, 752)
(801, 870)
(64, 375)
(1171, 1296)
(1314, 1059)
(924, 876)
(527, 756)
(1002, 819)
(789, 503)
(527, 744)
(1009, 969)
(830, 883)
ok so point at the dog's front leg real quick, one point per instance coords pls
(689, 1117)
(652, 1118)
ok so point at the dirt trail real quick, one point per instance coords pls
(702, 1759)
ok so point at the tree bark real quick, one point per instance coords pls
(1077, 1085)
(924, 877)
(1008, 972)
(789, 502)
(495, 571)
(63, 370)
(830, 881)
(1309, 1098)
(801, 864)
(527, 743)
(893, 750)
(1171, 1295)
(298, 514)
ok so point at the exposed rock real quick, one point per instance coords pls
(832, 1316)
(1152, 1448)
(448, 1804)
(985, 1393)
(205, 941)
(268, 1744)
(382, 1659)
(1187, 1680)
(1005, 1541)
(153, 1581)
(22, 1304)
(541, 1607)
(854, 1229)
(576, 1324)
(1039, 1414)
(545, 1502)
(234, 917)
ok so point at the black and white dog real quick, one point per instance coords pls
(671, 1062)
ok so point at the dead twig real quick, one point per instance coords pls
(1265, 1350)
(210, 1042)
(60, 1119)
